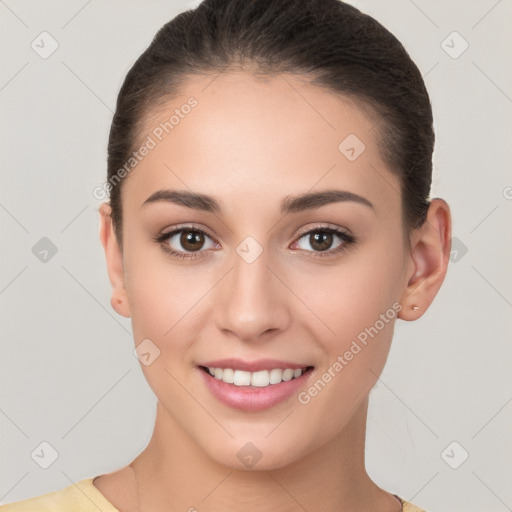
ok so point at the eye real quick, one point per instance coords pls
(321, 239)
(183, 239)
(188, 241)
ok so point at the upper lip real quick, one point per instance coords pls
(252, 366)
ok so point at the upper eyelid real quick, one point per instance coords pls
(327, 226)
(185, 227)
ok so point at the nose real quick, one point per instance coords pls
(251, 300)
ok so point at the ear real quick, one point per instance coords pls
(114, 257)
(430, 254)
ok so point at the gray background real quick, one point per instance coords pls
(68, 374)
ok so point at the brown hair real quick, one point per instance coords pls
(327, 41)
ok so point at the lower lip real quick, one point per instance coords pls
(253, 398)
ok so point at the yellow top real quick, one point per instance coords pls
(83, 496)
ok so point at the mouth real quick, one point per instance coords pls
(260, 379)
(257, 390)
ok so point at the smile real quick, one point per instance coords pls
(254, 390)
(259, 379)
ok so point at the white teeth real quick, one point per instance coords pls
(228, 375)
(241, 378)
(259, 379)
(288, 374)
(275, 376)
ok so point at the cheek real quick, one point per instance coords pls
(160, 303)
(356, 302)
(358, 317)
(352, 295)
(165, 300)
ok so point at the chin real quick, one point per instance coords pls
(260, 454)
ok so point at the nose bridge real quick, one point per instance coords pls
(250, 304)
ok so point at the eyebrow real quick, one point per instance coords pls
(290, 204)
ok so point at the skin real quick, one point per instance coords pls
(250, 143)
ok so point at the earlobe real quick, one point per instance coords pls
(430, 256)
(114, 259)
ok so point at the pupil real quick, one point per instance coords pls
(327, 237)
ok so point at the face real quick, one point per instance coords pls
(310, 284)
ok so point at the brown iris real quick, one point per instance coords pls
(322, 240)
(194, 239)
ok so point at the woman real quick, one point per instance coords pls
(269, 172)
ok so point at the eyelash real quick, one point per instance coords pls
(345, 237)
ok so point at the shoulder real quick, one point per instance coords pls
(408, 507)
(81, 496)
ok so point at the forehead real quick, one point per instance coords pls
(267, 137)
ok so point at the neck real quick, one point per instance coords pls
(173, 473)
